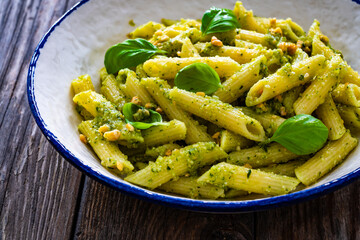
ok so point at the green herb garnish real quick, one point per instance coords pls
(198, 77)
(129, 53)
(248, 173)
(140, 117)
(302, 134)
(218, 20)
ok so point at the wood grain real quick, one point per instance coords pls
(107, 214)
(334, 216)
(38, 190)
(44, 197)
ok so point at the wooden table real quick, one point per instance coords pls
(42, 196)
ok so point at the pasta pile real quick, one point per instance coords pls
(215, 145)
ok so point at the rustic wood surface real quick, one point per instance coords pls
(43, 197)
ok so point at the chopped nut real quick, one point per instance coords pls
(164, 38)
(275, 31)
(150, 105)
(288, 47)
(216, 135)
(104, 128)
(135, 100)
(291, 48)
(300, 44)
(273, 22)
(83, 138)
(282, 46)
(247, 165)
(159, 110)
(168, 152)
(282, 111)
(279, 98)
(129, 127)
(201, 94)
(262, 107)
(216, 42)
(112, 135)
(324, 39)
(158, 33)
(187, 175)
(120, 166)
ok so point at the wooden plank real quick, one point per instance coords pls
(334, 216)
(108, 214)
(38, 189)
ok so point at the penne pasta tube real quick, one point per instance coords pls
(230, 141)
(241, 81)
(260, 157)
(167, 68)
(348, 94)
(188, 186)
(187, 159)
(240, 55)
(163, 150)
(245, 44)
(250, 180)
(329, 115)
(254, 37)
(287, 169)
(94, 103)
(188, 49)
(315, 94)
(219, 113)
(326, 159)
(131, 86)
(269, 121)
(111, 90)
(107, 115)
(146, 30)
(350, 115)
(159, 90)
(110, 155)
(247, 19)
(286, 78)
(318, 47)
(233, 193)
(169, 132)
(82, 83)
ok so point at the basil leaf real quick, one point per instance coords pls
(130, 109)
(129, 53)
(302, 134)
(198, 77)
(218, 20)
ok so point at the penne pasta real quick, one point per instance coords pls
(250, 180)
(167, 68)
(326, 159)
(286, 78)
(219, 113)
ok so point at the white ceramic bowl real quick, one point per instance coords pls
(76, 44)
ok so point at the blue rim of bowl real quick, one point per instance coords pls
(164, 199)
